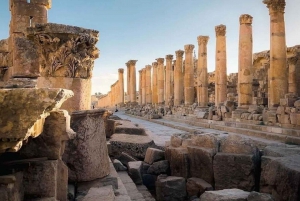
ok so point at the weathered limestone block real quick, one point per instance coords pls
(118, 165)
(149, 181)
(207, 140)
(134, 145)
(153, 155)
(134, 171)
(179, 161)
(235, 171)
(170, 188)
(104, 193)
(196, 186)
(4, 45)
(51, 143)
(225, 195)
(87, 155)
(127, 127)
(281, 151)
(201, 163)
(23, 114)
(255, 196)
(46, 179)
(125, 158)
(177, 139)
(280, 177)
(110, 127)
(160, 167)
(11, 187)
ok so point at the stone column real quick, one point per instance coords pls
(121, 86)
(132, 81)
(245, 73)
(140, 86)
(144, 86)
(63, 65)
(128, 82)
(169, 59)
(178, 79)
(154, 83)
(160, 81)
(292, 62)
(202, 77)
(221, 69)
(189, 98)
(278, 77)
(148, 85)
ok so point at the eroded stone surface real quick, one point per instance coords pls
(225, 195)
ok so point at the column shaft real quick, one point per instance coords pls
(121, 86)
(161, 81)
(178, 79)
(168, 96)
(144, 86)
(189, 98)
(154, 83)
(140, 86)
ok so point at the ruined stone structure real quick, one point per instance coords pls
(189, 95)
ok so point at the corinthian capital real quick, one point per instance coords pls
(203, 40)
(246, 19)
(189, 48)
(160, 60)
(121, 70)
(131, 62)
(220, 30)
(154, 64)
(169, 57)
(179, 53)
(275, 5)
(148, 67)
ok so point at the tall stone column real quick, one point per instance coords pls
(245, 73)
(161, 80)
(221, 68)
(278, 77)
(140, 86)
(154, 83)
(178, 79)
(121, 86)
(132, 81)
(144, 94)
(189, 98)
(292, 87)
(128, 82)
(202, 78)
(148, 85)
(169, 59)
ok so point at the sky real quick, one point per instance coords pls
(144, 30)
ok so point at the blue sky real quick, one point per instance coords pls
(148, 29)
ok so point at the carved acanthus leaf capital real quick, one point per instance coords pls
(131, 62)
(220, 30)
(148, 67)
(121, 70)
(246, 19)
(141, 71)
(189, 48)
(169, 57)
(154, 64)
(275, 5)
(160, 60)
(203, 40)
(179, 53)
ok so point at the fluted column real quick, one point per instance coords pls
(121, 86)
(140, 86)
(148, 85)
(245, 73)
(221, 65)
(189, 98)
(143, 86)
(128, 82)
(169, 59)
(132, 81)
(178, 79)
(161, 80)
(278, 77)
(154, 83)
(202, 77)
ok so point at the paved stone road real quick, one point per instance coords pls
(159, 133)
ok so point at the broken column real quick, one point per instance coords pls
(178, 79)
(169, 94)
(161, 80)
(66, 61)
(132, 81)
(121, 86)
(202, 77)
(154, 83)
(245, 75)
(189, 98)
(221, 69)
(278, 77)
(148, 85)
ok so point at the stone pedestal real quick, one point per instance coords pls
(245, 75)
(87, 155)
(178, 79)
(67, 57)
(154, 83)
(202, 78)
(278, 77)
(221, 65)
(161, 81)
(189, 97)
